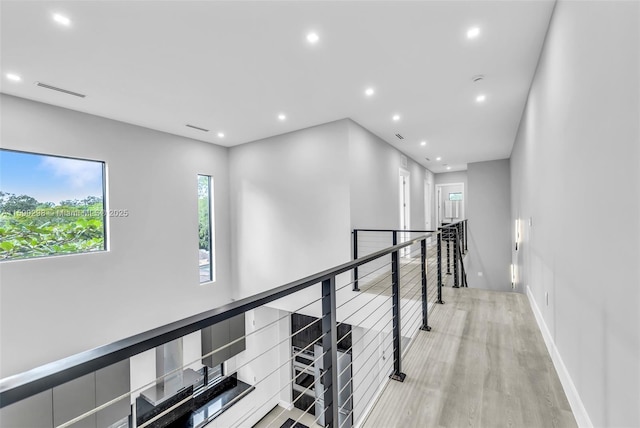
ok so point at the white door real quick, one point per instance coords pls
(439, 206)
(405, 208)
(427, 205)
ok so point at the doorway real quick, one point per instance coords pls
(450, 203)
(428, 203)
(405, 210)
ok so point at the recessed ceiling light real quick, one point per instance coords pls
(282, 116)
(61, 19)
(481, 98)
(14, 77)
(396, 117)
(448, 167)
(423, 143)
(439, 158)
(313, 38)
(220, 134)
(369, 92)
(473, 32)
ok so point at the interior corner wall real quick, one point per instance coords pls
(53, 307)
(489, 214)
(452, 177)
(575, 171)
(374, 167)
(290, 206)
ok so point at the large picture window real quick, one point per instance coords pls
(205, 229)
(50, 205)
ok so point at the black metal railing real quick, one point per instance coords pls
(413, 260)
(367, 241)
(449, 250)
(456, 237)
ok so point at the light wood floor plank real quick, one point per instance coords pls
(484, 364)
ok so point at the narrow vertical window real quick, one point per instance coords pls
(205, 229)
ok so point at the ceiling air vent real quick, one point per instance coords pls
(75, 94)
(400, 137)
(197, 127)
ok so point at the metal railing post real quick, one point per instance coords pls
(455, 258)
(439, 261)
(425, 307)
(395, 292)
(448, 238)
(330, 353)
(466, 235)
(355, 256)
(463, 272)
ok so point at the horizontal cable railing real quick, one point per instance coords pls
(456, 237)
(313, 352)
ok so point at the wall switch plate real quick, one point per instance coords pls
(480, 274)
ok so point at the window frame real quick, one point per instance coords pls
(105, 217)
(210, 196)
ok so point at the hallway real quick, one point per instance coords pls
(483, 364)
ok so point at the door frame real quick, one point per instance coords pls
(404, 204)
(428, 206)
(440, 201)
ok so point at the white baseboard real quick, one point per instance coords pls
(579, 411)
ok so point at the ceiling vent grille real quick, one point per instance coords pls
(400, 137)
(197, 127)
(64, 91)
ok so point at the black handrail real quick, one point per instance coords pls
(23, 385)
(451, 224)
(394, 230)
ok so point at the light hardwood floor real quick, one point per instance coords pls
(483, 364)
(278, 416)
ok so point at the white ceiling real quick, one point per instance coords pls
(234, 66)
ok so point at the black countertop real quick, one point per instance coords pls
(214, 407)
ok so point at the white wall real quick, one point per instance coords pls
(489, 214)
(374, 168)
(260, 365)
(57, 306)
(451, 177)
(372, 365)
(290, 206)
(307, 190)
(576, 161)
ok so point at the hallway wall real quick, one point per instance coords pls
(374, 168)
(306, 190)
(452, 177)
(290, 206)
(576, 161)
(489, 214)
(53, 307)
